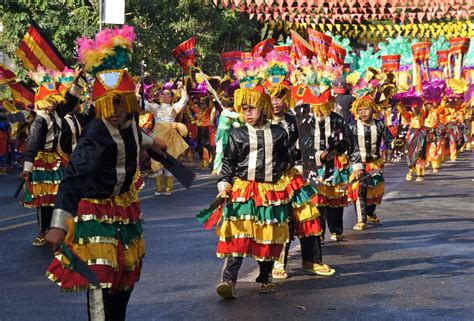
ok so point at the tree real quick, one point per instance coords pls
(160, 26)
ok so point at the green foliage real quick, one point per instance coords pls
(160, 26)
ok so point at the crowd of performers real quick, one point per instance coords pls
(291, 142)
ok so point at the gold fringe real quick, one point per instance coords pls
(49, 101)
(284, 93)
(322, 110)
(104, 105)
(251, 97)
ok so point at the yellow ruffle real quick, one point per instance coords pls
(44, 189)
(48, 157)
(260, 233)
(105, 253)
(330, 191)
(376, 191)
(264, 187)
(305, 213)
(123, 200)
(133, 254)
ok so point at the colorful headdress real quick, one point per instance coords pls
(249, 73)
(106, 57)
(256, 97)
(276, 73)
(312, 82)
(63, 79)
(409, 99)
(46, 95)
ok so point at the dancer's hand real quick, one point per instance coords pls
(26, 175)
(358, 174)
(55, 237)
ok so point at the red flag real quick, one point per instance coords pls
(36, 50)
(230, 58)
(319, 42)
(185, 53)
(22, 94)
(391, 62)
(337, 54)
(300, 47)
(421, 51)
(263, 47)
(6, 75)
(247, 56)
(442, 57)
(282, 49)
(459, 45)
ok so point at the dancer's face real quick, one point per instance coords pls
(278, 106)
(167, 96)
(365, 114)
(253, 116)
(119, 115)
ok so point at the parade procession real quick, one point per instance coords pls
(329, 141)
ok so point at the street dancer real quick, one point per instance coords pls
(97, 204)
(43, 166)
(365, 137)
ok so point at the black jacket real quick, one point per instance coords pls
(256, 154)
(46, 129)
(365, 141)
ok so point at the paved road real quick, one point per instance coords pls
(419, 265)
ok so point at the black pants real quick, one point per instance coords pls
(310, 246)
(44, 215)
(101, 303)
(204, 141)
(233, 264)
(361, 207)
(332, 216)
(311, 249)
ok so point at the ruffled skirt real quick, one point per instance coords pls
(108, 237)
(48, 171)
(375, 185)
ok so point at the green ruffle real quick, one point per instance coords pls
(339, 176)
(128, 232)
(204, 215)
(303, 195)
(47, 177)
(375, 180)
(260, 214)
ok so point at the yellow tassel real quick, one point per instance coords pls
(252, 97)
(104, 105)
(49, 101)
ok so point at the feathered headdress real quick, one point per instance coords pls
(250, 73)
(63, 79)
(46, 95)
(312, 82)
(276, 72)
(105, 57)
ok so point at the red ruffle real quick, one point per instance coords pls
(72, 281)
(308, 228)
(374, 200)
(39, 163)
(322, 200)
(248, 247)
(252, 192)
(39, 201)
(109, 210)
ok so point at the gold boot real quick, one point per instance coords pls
(420, 172)
(169, 182)
(409, 176)
(158, 185)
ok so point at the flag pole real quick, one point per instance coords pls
(100, 15)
